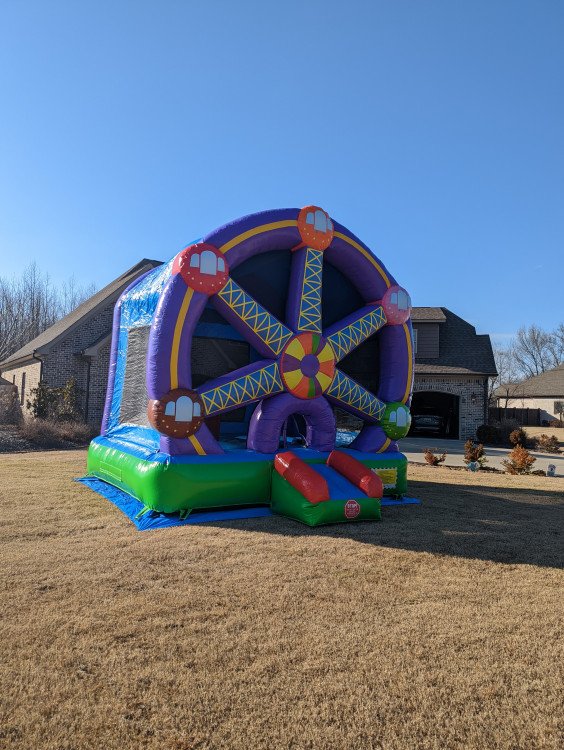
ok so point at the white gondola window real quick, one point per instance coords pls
(403, 300)
(401, 419)
(208, 263)
(320, 221)
(184, 409)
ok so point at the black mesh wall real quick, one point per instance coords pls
(213, 358)
(266, 278)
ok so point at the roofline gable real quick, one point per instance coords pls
(76, 318)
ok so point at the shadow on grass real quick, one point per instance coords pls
(469, 521)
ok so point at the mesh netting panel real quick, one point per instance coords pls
(134, 397)
(212, 358)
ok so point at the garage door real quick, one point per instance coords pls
(435, 413)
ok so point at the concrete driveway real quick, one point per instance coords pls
(413, 448)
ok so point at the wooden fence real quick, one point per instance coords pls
(525, 417)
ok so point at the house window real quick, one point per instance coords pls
(22, 391)
(415, 340)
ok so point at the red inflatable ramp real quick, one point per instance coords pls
(357, 473)
(302, 477)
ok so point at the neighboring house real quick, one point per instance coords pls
(77, 346)
(9, 404)
(453, 365)
(544, 392)
(6, 385)
(452, 362)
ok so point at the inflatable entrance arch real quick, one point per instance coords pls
(156, 441)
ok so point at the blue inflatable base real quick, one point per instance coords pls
(151, 519)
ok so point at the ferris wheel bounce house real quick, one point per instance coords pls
(297, 293)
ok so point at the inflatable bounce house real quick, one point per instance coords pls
(232, 365)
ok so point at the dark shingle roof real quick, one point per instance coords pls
(549, 384)
(427, 315)
(461, 350)
(50, 335)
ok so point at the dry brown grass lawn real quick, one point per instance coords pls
(439, 628)
(536, 431)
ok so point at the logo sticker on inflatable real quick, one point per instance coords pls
(352, 509)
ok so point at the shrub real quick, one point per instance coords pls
(56, 404)
(518, 437)
(548, 443)
(474, 453)
(519, 461)
(10, 410)
(433, 460)
(488, 433)
(506, 427)
(554, 423)
(48, 434)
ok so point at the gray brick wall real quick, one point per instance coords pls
(32, 372)
(98, 382)
(64, 360)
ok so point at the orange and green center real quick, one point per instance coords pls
(307, 365)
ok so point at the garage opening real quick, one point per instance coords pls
(434, 413)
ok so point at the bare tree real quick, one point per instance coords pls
(532, 351)
(556, 346)
(506, 385)
(30, 303)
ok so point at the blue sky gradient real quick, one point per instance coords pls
(433, 129)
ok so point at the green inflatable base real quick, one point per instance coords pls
(169, 485)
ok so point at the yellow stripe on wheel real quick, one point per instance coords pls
(292, 378)
(295, 349)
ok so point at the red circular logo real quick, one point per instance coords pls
(202, 267)
(315, 227)
(352, 509)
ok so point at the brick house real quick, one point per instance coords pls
(77, 346)
(452, 362)
(453, 365)
(544, 392)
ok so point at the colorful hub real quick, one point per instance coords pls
(307, 366)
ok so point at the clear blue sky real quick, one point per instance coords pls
(434, 129)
